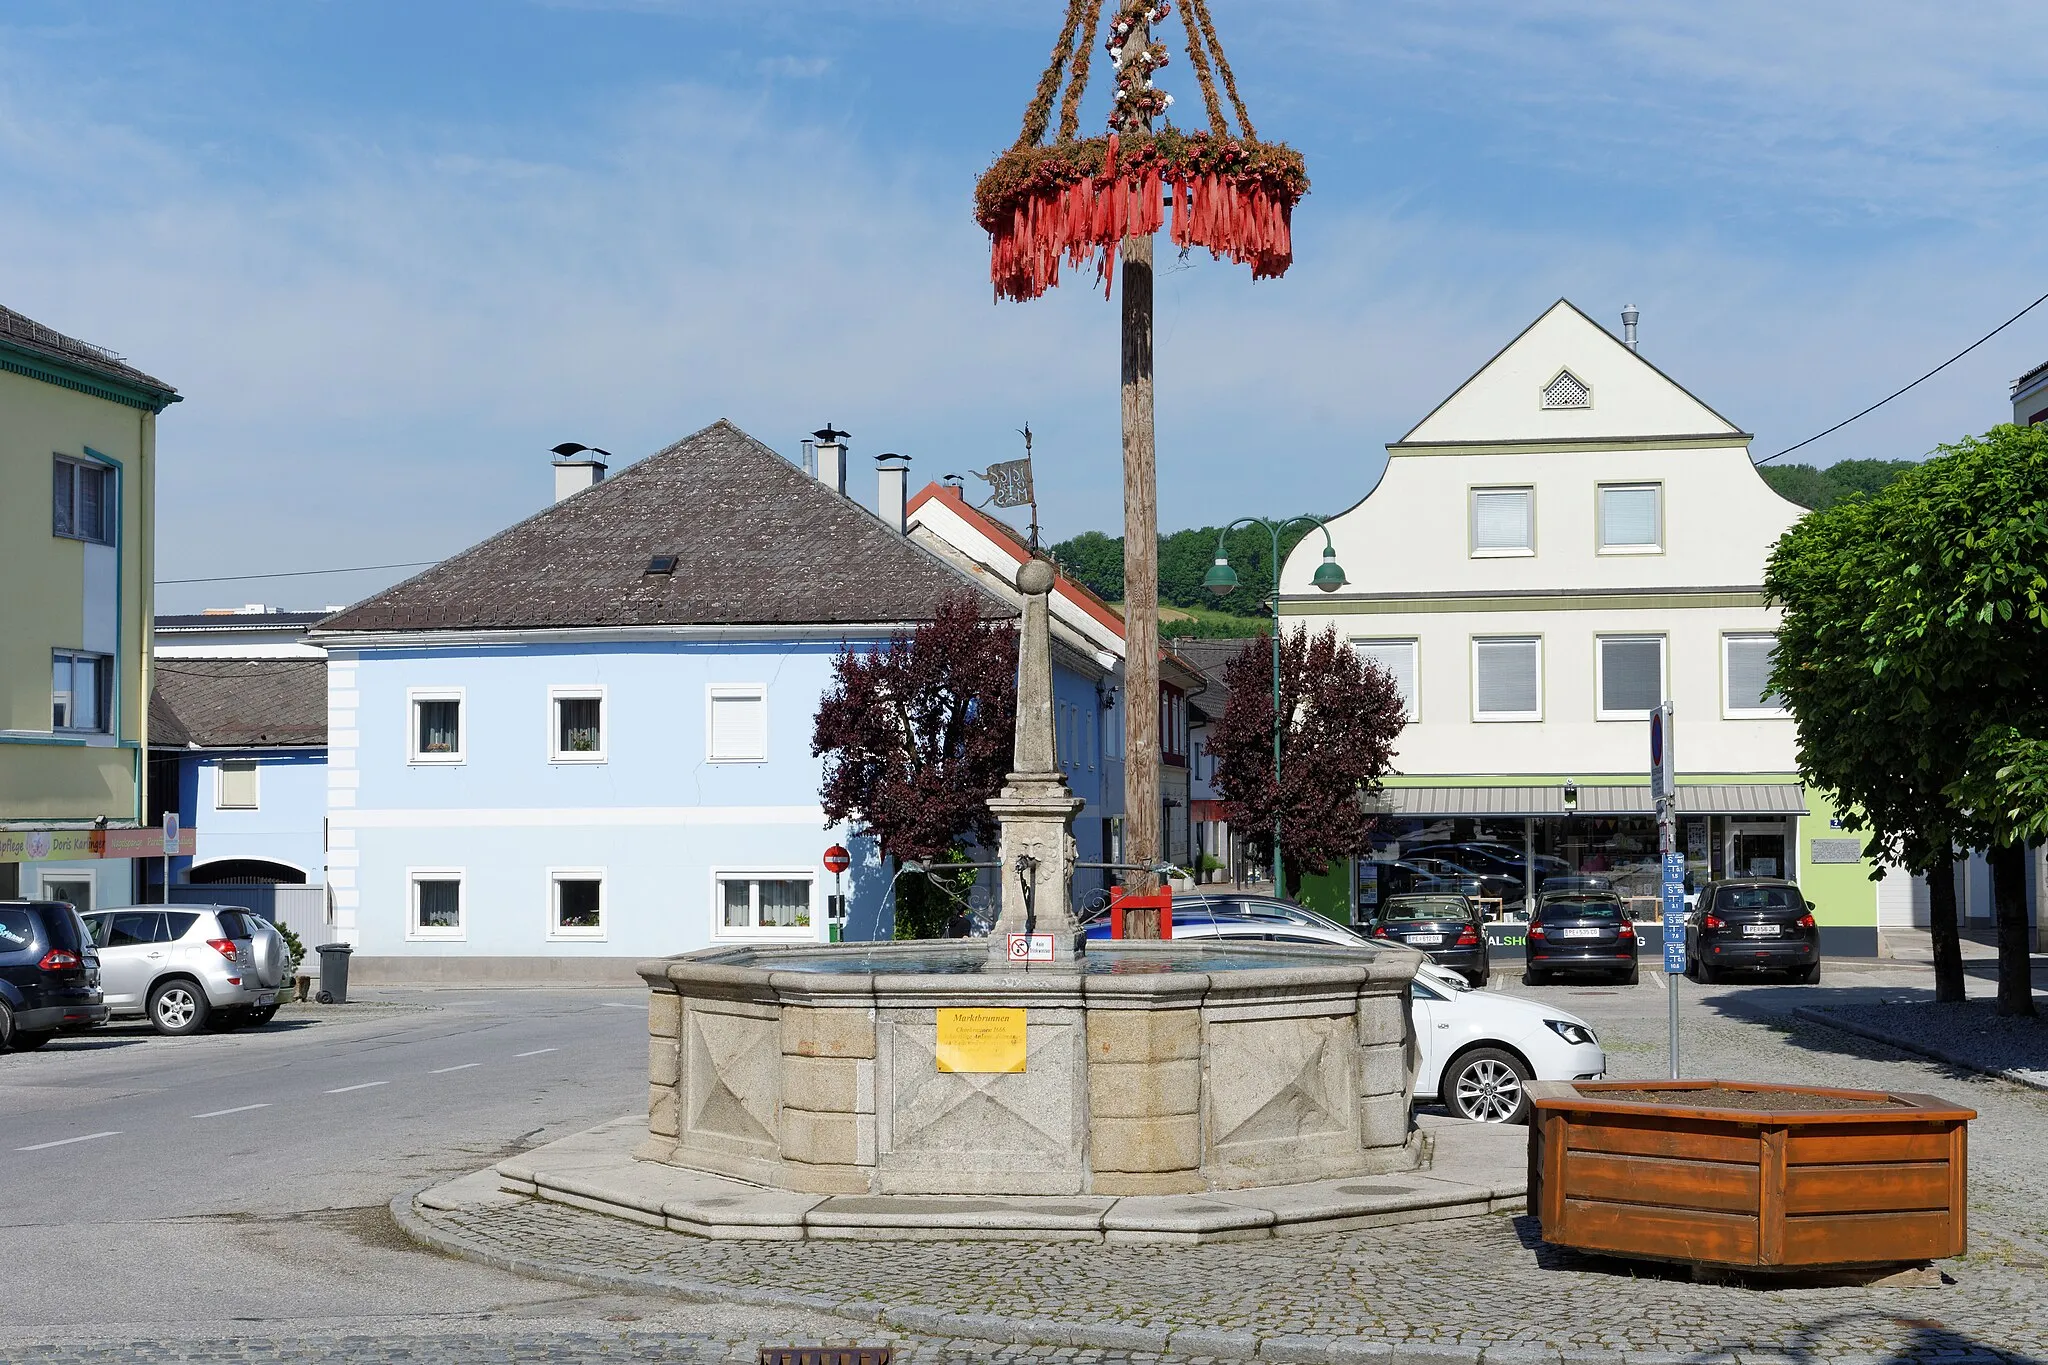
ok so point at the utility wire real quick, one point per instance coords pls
(296, 573)
(1916, 383)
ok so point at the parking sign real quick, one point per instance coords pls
(1674, 913)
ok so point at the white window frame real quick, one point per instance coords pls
(1600, 711)
(414, 932)
(1600, 492)
(413, 697)
(714, 691)
(592, 692)
(720, 930)
(1472, 522)
(556, 929)
(1506, 717)
(103, 696)
(1414, 645)
(1731, 711)
(255, 801)
(90, 876)
(110, 499)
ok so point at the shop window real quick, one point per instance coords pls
(1631, 678)
(1507, 678)
(1503, 522)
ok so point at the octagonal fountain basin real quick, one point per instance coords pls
(1145, 1068)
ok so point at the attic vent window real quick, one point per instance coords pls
(664, 564)
(1567, 391)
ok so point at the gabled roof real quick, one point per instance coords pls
(756, 541)
(74, 360)
(239, 703)
(1630, 399)
(1005, 538)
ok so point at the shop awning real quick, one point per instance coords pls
(1706, 798)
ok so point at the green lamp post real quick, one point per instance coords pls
(1222, 579)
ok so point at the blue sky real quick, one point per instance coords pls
(391, 253)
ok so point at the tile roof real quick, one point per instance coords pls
(239, 703)
(757, 542)
(240, 620)
(25, 333)
(1207, 659)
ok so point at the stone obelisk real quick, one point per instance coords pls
(1036, 808)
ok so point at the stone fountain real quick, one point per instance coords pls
(945, 1068)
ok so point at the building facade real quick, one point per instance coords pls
(1565, 542)
(77, 541)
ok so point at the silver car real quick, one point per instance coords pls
(179, 965)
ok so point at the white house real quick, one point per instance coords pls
(1563, 543)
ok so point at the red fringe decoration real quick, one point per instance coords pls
(1090, 218)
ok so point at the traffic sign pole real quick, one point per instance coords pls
(1664, 788)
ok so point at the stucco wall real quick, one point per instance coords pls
(284, 827)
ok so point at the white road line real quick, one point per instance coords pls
(364, 1086)
(66, 1142)
(621, 1005)
(238, 1109)
(1658, 977)
(536, 1052)
(443, 1070)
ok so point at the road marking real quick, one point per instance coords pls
(364, 1086)
(66, 1142)
(621, 1005)
(238, 1109)
(443, 1070)
(1658, 977)
(535, 1053)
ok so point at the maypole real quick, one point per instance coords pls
(1072, 200)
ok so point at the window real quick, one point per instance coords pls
(576, 903)
(1631, 518)
(1746, 664)
(776, 904)
(1503, 521)
(436, 903)
(1397, 658)
(737, 723)
(235, 784)
(136, 931)
(436, 725)
(1567, 391)
(82, 501)
(1631, 676)
(1507, 678)
(81, 691)
(576, 725)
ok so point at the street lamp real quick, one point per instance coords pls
(1222, 579)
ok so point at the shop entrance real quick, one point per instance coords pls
(1758, 848)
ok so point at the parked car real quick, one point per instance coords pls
(1448, 928)
(1506, 878)
(1752, 924)
(1580, 931)
(49, 974)
(180, 965)
(1263, 921)
(1480, 1049)
(1574, 884)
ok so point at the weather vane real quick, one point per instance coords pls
(1010, 484)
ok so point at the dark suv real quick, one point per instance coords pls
(1580, 931)
(49, 974)
(1752, 923)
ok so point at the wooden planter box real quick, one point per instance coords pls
(1773, 1183)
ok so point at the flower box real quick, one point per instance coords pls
(1731, 1174)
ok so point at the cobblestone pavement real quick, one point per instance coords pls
(1447, 1292)
(1965, 1031)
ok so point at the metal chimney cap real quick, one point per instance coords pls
(1629, 315)
(828, 436)
(892, 455)
(568, 450)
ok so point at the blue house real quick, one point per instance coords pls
(586, 741)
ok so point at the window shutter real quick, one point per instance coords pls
(1749, 672)
(1628, 517)
(739, 726)
(1506, 677)
(237, 780)
(1397, 657)
(1631, 674)
(1500, 519)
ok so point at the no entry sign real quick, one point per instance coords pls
(837, 860)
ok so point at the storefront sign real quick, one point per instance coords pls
(987, 1041)
(82, 845)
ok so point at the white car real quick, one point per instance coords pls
(1480, 1048)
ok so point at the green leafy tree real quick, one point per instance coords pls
(1095, 561)
(1822, 488)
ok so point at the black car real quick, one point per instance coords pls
(1582, 931)
(1752, 924)
(49, 974)
(1445, 927)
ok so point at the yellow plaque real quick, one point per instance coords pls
(981, 1040)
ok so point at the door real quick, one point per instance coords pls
(75, 887)
(132, 952)
(1758, 849)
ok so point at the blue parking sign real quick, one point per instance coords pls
(1674, 913)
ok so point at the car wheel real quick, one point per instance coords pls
(1532, 977)
(1487, 1085)
(258, 1018)
(6, 1026)
(177, 1008)
(1635, 974)
(29, 1042)
(1810, 974)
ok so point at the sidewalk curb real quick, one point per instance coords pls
(1825, 1020)
(1236, 1345)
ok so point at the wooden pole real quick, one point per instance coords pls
(1142, 811)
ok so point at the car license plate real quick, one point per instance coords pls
(1759, 931)
(1426, 940)
(1578, 933)
(265, 998)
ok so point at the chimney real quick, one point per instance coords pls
(892, 475)
(832, 458)
(1628, 325)
(577, 467)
